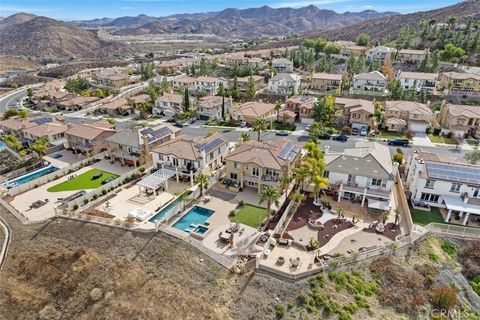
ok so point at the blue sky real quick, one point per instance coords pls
(88, 9)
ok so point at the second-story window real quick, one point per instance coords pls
(376, 182)
(429, 184)
(455, 187)
(255, 172)
(235, 165)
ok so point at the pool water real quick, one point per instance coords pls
(2, 146)
(200, 230)
(166, 209)
(195, 216)
(30, 176)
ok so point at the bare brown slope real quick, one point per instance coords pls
(43, 37)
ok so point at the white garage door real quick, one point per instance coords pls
(418, 127)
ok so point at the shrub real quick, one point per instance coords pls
(433, 256)
(469, 257)
(75, 206)
(231, 213)
(444, 298)
(302, 298)
(289, 305)
(449, 135)
(241, 203)
(35, 186)
(85, 201)
(449, 248)
(95, 197)
(347, 130)
(280, 312)
(436, 131)
(104, 192)
(142, 169)
(476, 284)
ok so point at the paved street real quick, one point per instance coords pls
(10, 101)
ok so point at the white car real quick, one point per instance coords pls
(363, 133)
(243, 124)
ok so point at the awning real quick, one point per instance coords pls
(457, 204)
(378, 204)
(156, 179)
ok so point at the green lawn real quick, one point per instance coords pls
(83, 181)
(423, 218)
(391, 135)
(437, 139)
(250, 215)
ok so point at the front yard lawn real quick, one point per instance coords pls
(250, 215)
(438, 139)
(423, 218)
(384, 134)
(83, 181)
(283, 126)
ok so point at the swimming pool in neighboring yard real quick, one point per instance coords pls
(166, 209)
(194, 217)
(29, 176)
(2, 146)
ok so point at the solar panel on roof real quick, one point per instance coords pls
(455, 173)
(42, 120)
(209, 146)
(284, 154)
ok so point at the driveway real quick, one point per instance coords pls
(421, 139)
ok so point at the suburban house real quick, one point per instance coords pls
(210, 107)
(192, 156)
(282, 65)
(380, 53)
(168, 104)
(326, 82)
(411, 55)
(16, 125)
(256, 63)
(302, 106)
(208, 85)
(76, 103)
(357, 113)
(353, 50)
(48, 100)
(53, 132)
(183, 82)
(456, 83)
(89, 138)
(460, 118)
(133, 147)
(418, 81)
(141, 98)
(117, 107)
(249, 111)
(370, 81)
(286, 116)
(233, 59)
(261, 163)
(284, 84)
(111, 79)
(242, 82)
(415, 115)
(435, 180)
(365, 174)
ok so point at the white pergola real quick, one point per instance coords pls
(461, 206)
(156, 179)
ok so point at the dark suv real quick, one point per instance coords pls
(398, 142)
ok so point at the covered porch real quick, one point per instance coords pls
(462, 208)
(379, 198)
(159, 179)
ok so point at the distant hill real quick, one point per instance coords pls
(43, 37)
(389, 26)
(244, 23)
(16, 19)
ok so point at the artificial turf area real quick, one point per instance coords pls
(250, 215)
(423, 218)
(83, 181)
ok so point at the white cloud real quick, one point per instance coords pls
(367, 7)
(9, 8)
(304, 3)
(126, 8)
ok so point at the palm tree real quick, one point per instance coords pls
(301, 174)
(384, 215)
(259, 125)
(184, 197)
(270, 195)
(285, 182)
(244, 136)
(298, 197)
(278, 107)
(202, 181)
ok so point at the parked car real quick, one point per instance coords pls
(324, 136)
(109, 179)
(57, 155)
(354, 131)
(282, 133)
(363, 132)
(307, 128)
(341, 137)
(243, 124)
(397, 142)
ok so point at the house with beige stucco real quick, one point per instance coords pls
(249, 111)
(357, 113)
(415, 116)
(326, 82)
(460, 119)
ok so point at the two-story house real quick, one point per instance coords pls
(53, 132)
(242, 82)
(460, 118)
(418, 81)
(208, 85)
(441, 181)
(416, 116)
(357, 113)
(192, 156)
(214, 107)
(302, 106)
(326, 82)
(282, 65)
(133, 147)
(456, 83)
(168, 104)
(111, 79)
(117, 107)
(411, 55)
(354, 50)
(284, 84)
(370, 81)
(180, 83)
(15, 125)
(380, 54)
(249, 111)
(256, 164)
(365, 174)
(88, 138)
(76, 103)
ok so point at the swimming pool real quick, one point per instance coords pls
(2, 145)
(195, 216)
(166, 209)
(29, 176)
